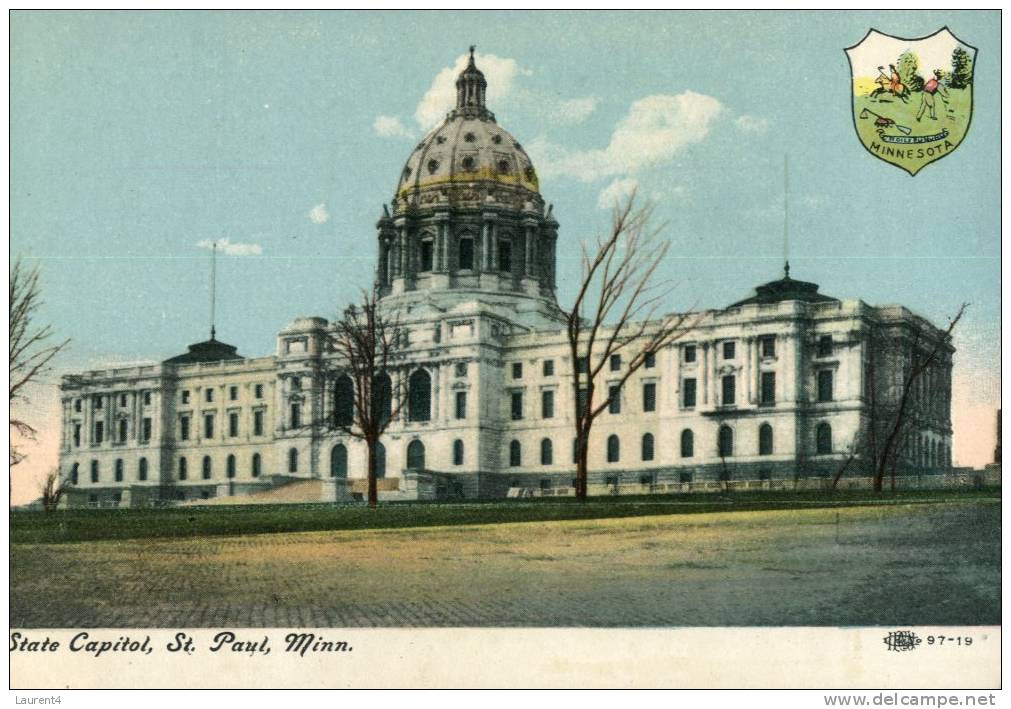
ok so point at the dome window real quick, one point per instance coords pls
(433, 165)
(440, 139)
(470, 137)
(496, 139)
(503, 166)
(469, 164)
(518, 146)
(530, 173)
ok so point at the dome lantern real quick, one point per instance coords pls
(470, 91)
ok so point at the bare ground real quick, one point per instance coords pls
(929, 564)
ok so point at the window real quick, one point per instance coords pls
(765, 439)
(729, 390)
(547, 404)
(258, 391)
(547, 454)
(99, 433)
(725, 442)
(768, 346)
(208, 425)
(182, 469)
(119, 470)
(145, 429)
(768, 388)
(77, 435)
(184, 428)
(825, 346)
(296, 415)
(94, 471)
(415, 455)
(233, 393)
(420, 396)
(382, 396)
(122, 400)
(255, 472)
(205, 468)
(185, 396)
(516, 404)
(461, 404)
(461, 369)
(505, 255)
(147, 398)
(650, 360)
(825, 385)
(689, 351)
(230, 466)
(457, 452)
(77, 405)
(427, 251)
(122, 431)
(466, 254)
(380, 460)
(548, 368)
(823, 439)
(142, 469)
(582, 399)
(74, 473)
(98, 403)
(296, 384)
(687, 443)
(647, 446)
(339, 461)
(613, 449)
(582, 365)
(344, 401)
(517, 370)
(233, 424)
(649, 396)
(514, 453)
(208, 395)
(614, 399)
(258, 422)
(688, 393)
(729, 350)
(292, 460)
(615, 362)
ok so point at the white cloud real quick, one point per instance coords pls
(653, 131)
(574, 110)
(615, 192)
(500, 72)
(390, 127)
(751, 124)
(227, 247)
(319, 214)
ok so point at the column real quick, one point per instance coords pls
(402, 250)
(747, 371)
(756, 371)
(528, 251)
(486, 247)
(705, 373)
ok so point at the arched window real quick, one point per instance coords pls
(344, 401)
(547, 454)
(339, 461)
(515, 453)
(725, 442)
(380, 460)
(823, 438)
(230, 466)
(119, 470)
(182, 469)
(647, 446)
(613, 449)
(292, 460)
(74, 473)
(765, 439)
(255, 472)
(382, 396)
(142, 469)
(420, 396)
(206, 468)
(415, 455)
(466, 253)
(687, 443)
(457, 452)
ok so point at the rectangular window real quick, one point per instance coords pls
(427, 250)
(768, 387)
(258, 391)
(122, 400)
(688, 393)
(614, 396)
(547, 404)
(825, 346)
(208, 395)
(549, 368)
(649, 396)
(233, 393)
(729, 390)
(296, 415)
(147, 398)
(615, 362)
(729, 350)
(461, 369)
(505, 256)
(689, 353)
(466, 254)
(650, 360)
(97, 402)
(145, 429)
(208, 425)
(184, 428)
(517, 405)
(122, 431)
(99, 433)
(582, 365)
(185, 397)
(461, 404)
(77, 405)
(517, 370)
(233, 424)
(825, 385)
(258, 423)
(768, 345)
(77, 435)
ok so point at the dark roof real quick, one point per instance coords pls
(208, 351)
(785, 289)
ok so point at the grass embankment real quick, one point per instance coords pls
(111, 524)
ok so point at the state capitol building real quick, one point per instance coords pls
(773, 387)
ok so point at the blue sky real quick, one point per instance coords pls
(135, 136)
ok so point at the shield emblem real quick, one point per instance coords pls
(912, 98)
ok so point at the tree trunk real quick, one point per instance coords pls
(581, 466)
(373, 488)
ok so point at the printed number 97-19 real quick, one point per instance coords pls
(962, 640)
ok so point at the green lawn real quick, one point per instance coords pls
(107, 524)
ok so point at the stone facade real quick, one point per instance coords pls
(776, 386)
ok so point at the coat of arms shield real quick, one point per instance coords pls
(912, 98)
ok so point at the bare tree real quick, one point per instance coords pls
(52, 488)
(366, 341)
(617, 283)
(30, 350)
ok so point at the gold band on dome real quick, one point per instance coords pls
(481, 175)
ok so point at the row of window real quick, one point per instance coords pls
(98, 401)
(233, 394)
(121, 429)
(233, 424)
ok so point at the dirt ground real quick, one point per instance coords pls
(932, 564)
